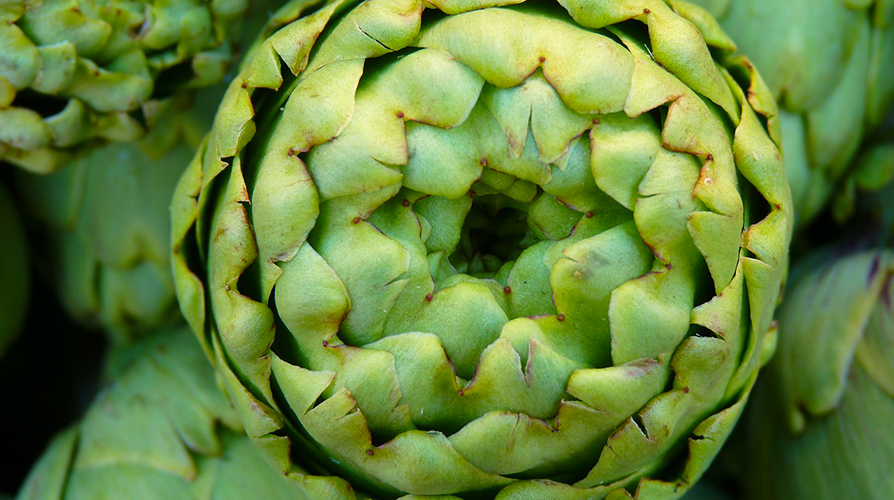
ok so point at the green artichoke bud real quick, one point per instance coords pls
(74, 71)
(828, 62)
(473, 249)
(820, 425)
(106, 223)
(15, 275)
(161, 431)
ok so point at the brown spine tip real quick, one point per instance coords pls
(595, 121)
(472, 194)
(588, 215)
(325, 344)
(710, 157)
(542, 59)
(647, 11)
(429, 297)
(356, 220)
(560, 317)
(507, 289)
(483, 162)
(245, 85)
(292, 152)
(400, 114)
(460, 392)
(227, 287)
(370, 452)
(406, 203)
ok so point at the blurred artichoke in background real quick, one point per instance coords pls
(106, 224)
(820, 424)
(75, 71)
(820, 428)
(829, 63)
(15, 271)
(161, 431)
(488, 250)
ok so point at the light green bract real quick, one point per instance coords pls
(76, 71)
(480, 250)
(161, 431)
(828, 62)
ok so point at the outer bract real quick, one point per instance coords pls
(106, 224)
(479, 250)
(829, 64)
(161, 432)
(15, 271)
(75, 71)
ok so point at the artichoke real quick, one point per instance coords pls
(828, 62)
(15, 277)
(820, 426)
(105, 221)
(74, 71)
(162, 431)
(485, 249)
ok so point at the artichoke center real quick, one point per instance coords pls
(493, 234)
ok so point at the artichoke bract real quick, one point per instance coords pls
(486, 250)
(15, 271)
(74, 71)
(105, 223)
(161, 431)
(828, 62)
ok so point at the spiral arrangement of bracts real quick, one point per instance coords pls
(513, 251)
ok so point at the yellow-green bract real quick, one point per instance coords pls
(485, 249)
